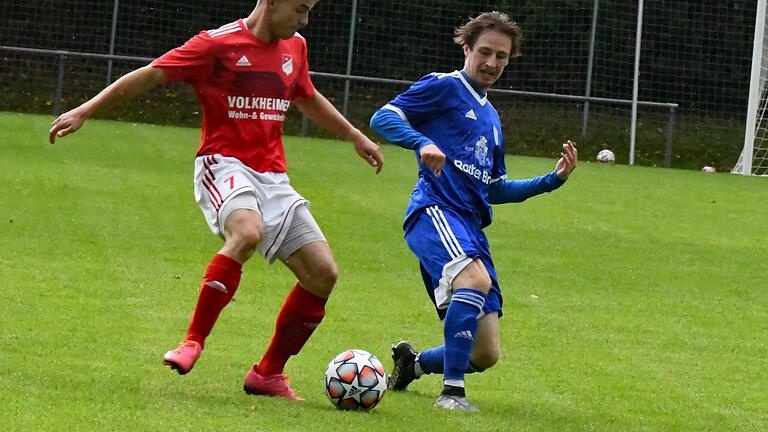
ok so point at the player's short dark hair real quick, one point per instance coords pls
(468, 33)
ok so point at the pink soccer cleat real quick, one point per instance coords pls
(270, 385)
(184, 357)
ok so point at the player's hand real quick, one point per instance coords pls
(433, 158)
(369, 151)
(569, 157)
(65, 124)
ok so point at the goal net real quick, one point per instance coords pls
(754, 155)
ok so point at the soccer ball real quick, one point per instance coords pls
(708, 169)
(606, 156)
(355, 380)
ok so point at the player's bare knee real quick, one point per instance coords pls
(248, 238)
(321, 279)
(484, 284)
(486, 358)
(478, 281)
(473, 276)
(244, 240)
(243, 227)
(327, 276)
(491, 358)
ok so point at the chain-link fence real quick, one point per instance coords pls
(575, 78)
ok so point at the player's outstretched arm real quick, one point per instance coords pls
(515, 191)
(325, 115)
(130, 85)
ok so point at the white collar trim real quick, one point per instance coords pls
(481, 100)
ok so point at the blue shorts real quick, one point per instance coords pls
(445, 243)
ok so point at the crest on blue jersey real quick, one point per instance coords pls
(481, 150)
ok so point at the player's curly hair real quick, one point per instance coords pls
(495, 20)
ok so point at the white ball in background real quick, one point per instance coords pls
(606, 156)
(708, 169)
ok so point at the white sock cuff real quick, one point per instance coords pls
(417, 370)
(454, 383)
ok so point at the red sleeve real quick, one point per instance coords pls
(192, 61)
(304, 87)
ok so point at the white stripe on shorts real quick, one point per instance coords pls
(444, 230)
(448, 230)
(438, 228)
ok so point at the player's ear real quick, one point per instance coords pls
(466, 50)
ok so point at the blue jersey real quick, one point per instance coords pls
(462, 123)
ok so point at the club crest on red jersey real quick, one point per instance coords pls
(288, 64)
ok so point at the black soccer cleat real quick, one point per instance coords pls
(403, 373)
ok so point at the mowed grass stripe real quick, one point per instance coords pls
(634, 297)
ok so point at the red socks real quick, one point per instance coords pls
(219, 285)
(300, 315)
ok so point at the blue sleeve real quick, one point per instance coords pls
(506, 191)
(424, 100)
(393, 128)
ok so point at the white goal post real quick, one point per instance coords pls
(754, 155)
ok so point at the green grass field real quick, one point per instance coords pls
(635, 297)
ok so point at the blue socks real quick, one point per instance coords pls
(459, 330)
(432, 361)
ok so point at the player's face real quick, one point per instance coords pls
(288, 16)
(486, 61)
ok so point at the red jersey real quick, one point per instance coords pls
(245, 86)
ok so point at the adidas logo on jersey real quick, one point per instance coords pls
(243, 61)
(471, 115)
(466, 334)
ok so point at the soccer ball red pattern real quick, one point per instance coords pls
(355, 380)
